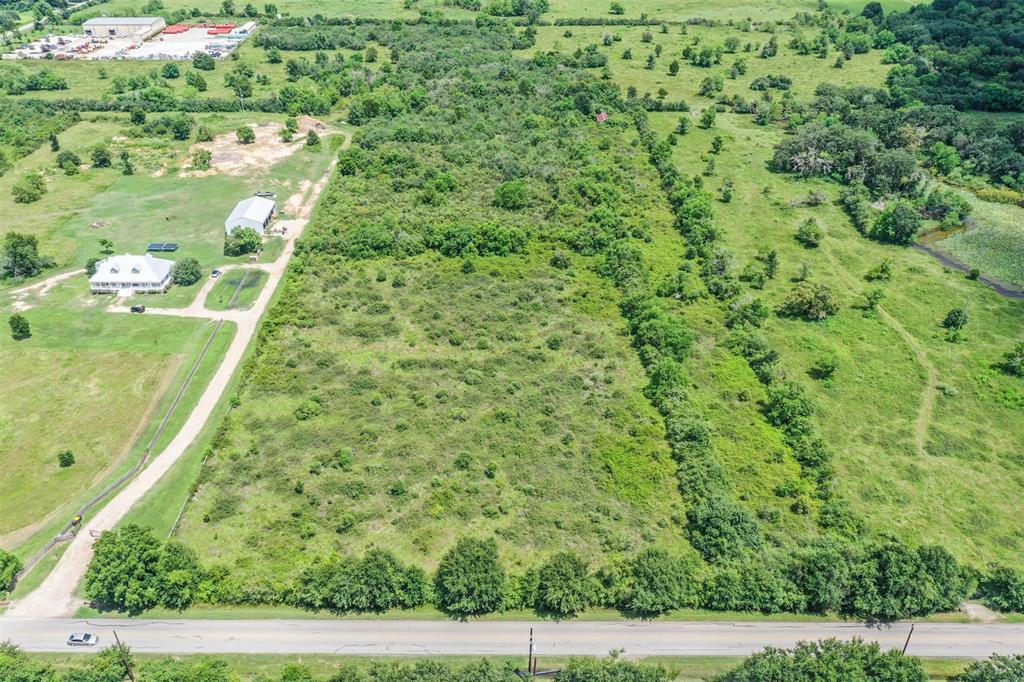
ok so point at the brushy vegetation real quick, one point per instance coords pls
(526, 193)
(516, 337)
(807, 662)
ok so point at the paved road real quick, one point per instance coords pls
(399, 638)
(55, 596)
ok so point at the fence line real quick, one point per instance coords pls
(66, 532)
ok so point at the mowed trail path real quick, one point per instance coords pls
(930, 391)
(55, 597)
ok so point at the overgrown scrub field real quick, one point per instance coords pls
(501, 401)
(453, 374)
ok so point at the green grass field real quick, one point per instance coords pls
(94, 383)
(668, 10)
(962, 490)
(806, 72)
(236, 290)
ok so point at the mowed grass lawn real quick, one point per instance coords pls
(505, 401)
(237, 289)
(154, 204)
(964, 490)
(86, 381)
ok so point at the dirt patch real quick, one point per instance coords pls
(19, 296)
(231, 158)
(979, 612)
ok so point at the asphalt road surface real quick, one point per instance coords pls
(419, 638)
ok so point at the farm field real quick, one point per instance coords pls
(806, 72)
(962, 488)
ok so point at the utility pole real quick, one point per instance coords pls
(907, 643)
(529, 658)
(124, 658)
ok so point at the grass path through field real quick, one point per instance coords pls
(930, 390)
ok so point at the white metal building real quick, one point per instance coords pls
(140, 28)
(254, 212)
(139, 274)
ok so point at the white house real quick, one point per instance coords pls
(140, 28)
(254, 212)
(140, 274)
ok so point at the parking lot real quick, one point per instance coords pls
(166, 46)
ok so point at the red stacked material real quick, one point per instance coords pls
(177, 28)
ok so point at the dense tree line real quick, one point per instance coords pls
(965, 54)
(24, 125)
(881, 579)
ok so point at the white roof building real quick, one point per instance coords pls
(123, 27)
(143, 274)
(254, 212)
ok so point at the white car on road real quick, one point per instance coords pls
(83, 639)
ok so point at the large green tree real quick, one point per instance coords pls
(828, 659)
(123, 573)
(470, 578)
(20, 257)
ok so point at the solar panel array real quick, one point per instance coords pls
(162, 246)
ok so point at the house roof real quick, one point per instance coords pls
(124, 21)
(132, 269)
(253, 208)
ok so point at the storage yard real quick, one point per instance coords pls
(139, 38)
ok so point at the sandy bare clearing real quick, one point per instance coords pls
(232, 158)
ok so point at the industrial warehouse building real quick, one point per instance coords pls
(135, 274)
(140, 28)
(254, 212)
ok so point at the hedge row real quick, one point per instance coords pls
(883, 579)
